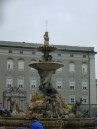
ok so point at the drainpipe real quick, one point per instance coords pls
(89, 85)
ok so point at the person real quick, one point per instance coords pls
(36, 124)
(95, 122)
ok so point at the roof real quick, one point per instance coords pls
(34, 45)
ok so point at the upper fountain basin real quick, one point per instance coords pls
(46, 48)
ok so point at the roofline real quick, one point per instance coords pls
(78, 51)
(60, 49)
(17, 46)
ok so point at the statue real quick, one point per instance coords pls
(46, 39)
(13, 105)
(47, 57)
(76, 106)
(45, 84)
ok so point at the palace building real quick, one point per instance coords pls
(18, 81)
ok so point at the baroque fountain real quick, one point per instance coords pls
(47, 104)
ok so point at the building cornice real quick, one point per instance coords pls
(64, 48)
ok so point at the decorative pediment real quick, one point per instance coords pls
(16, 90)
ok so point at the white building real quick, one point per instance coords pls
(74, 81)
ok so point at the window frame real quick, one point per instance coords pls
(71, 67)
(9, 64)
(20, 63)
(84, 68)
(34, 82)
(84, 99)
(9, 82)
(72, 85)
(59, 84)
(73, 98)
(85, 84)
(20, 82)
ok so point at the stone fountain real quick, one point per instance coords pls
(47, 104)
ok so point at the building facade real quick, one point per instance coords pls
(73, 81)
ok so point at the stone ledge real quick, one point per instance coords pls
(12, 123)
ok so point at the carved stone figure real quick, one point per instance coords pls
(76, 106)
(47, 56)
(46, 39)
(45, 84)
(13, 105)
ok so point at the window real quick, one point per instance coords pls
(21, 82)
(84, 99)
(33, 83)
(33, 53)
(71, 55)
(9, 64)
(10, 51)
(84, 84)
(59, 70)
(72, 98)
(59, 83)
(59, 54)
(21, 52)
(84, 56)
(20, 65)
(71, 67)
(72, 84)
(84, 68)
(9, 82)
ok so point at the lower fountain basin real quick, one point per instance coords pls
(46, 65)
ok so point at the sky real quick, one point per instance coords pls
(69, 22)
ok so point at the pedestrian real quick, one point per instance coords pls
(36, 124)
(96, 122)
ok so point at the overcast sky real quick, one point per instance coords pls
(69, 22)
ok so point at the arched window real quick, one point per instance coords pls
(84, 68)
(9, 64)
(21, 65)
(71, 67)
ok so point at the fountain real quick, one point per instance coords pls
(47, 99)
(47, 104)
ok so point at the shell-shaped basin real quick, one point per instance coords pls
(46, 65)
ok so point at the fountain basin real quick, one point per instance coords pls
(46, 66)
(77, 123)
(46, 48)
